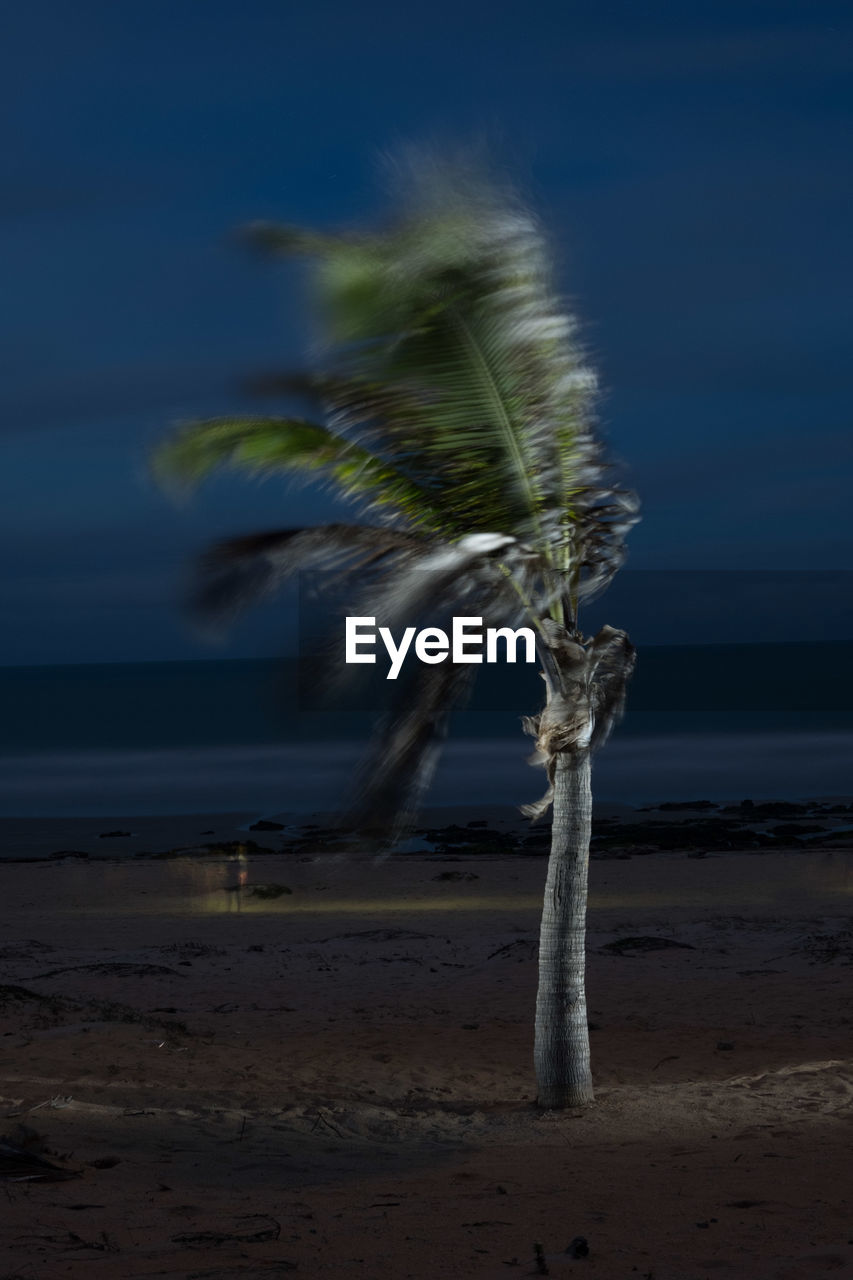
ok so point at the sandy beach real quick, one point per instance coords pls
(304, 1060)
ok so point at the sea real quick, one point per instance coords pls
(716, 722)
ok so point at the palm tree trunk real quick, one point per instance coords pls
(561, 1053)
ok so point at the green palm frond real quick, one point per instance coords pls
(278, 238)
(255, 444)
(455, 310)
(263, 445)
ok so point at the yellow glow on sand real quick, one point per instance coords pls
(185, 888)
(222, 904)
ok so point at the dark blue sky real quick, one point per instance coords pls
(693, 161)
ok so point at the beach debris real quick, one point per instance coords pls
(268, 890)
(265, 891)
(625, 852)
(321, 1119)
(520, 949)
(578, 1248)
(120, 968)
(470, 841)
(630, 946)
(23, 1136)
(34, 1009)
(12, 994)
(252, 1270)
(673, 806)
(190, 950)
(826, 948)
(771, 809)
(102, 1245)
(376, 935)
(844, 838)
(711, 833)
(24, 950)
(20, 1160)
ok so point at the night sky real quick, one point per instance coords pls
(692, 161)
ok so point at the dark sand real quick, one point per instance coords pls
(337, 1081)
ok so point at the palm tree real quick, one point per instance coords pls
(457, 415)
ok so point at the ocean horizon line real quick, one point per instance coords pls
(315, 776)
(296, 656)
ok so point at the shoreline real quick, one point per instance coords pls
(702, 825)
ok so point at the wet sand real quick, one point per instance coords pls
(337, 1080)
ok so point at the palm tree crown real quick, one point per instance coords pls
(457, 412)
